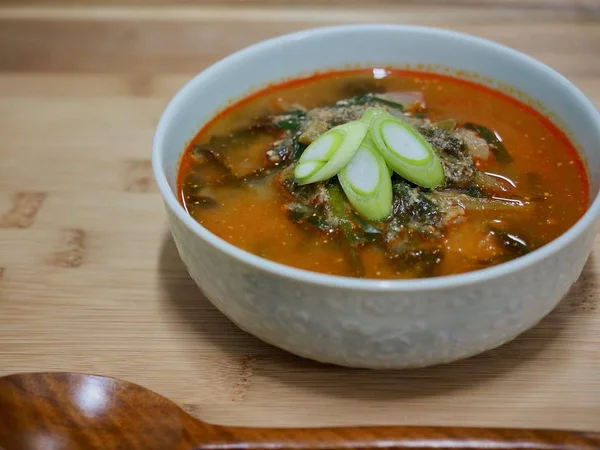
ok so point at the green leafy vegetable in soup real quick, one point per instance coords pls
(405, 180)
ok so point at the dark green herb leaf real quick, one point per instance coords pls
(337, 207)
(289, 124)
(426, 211)
(318, 222)
(443, 141)
(288, 149)
(293, 120)
(215, 157)
(300, 213)
(512, 243)
(496, 146)
(356, 100)
(368, 229)
(413, 203)
(475, 191)
(370, 98)
(298, 149)
(390, 103)
(423, 261)
(289, 185)
(297, 212)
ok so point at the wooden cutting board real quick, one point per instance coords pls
(90, 280)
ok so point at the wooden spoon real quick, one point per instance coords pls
(52, 411)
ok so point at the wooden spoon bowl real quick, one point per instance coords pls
(51, 411)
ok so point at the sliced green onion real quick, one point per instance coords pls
(330, 153)
(368, 117)
(371, 113)
(367, 183)
(306, 169)
(368, 140)
(406, 151)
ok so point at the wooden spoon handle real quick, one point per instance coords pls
(403, 438)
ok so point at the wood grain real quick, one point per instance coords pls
(89, 412)
(80, 95)
(147, 41)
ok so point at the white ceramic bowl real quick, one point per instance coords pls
(371, 323)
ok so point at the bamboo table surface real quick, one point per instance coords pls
(90, 280)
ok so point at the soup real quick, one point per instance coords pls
(383, 174)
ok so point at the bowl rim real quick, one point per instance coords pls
(360, 284)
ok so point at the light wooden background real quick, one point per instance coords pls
(90, 281)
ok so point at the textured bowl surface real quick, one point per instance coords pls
(374, 323)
